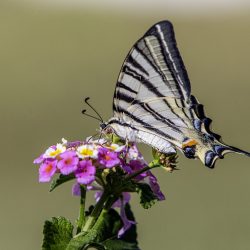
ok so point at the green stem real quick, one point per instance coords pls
(81, 218)
(110, 202)
(106, 201)
(96, 212)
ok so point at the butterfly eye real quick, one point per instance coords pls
(189, 152)
(103, 125)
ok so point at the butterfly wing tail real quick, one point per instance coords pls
(217, 149)
(218, 152)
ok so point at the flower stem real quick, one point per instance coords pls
(96, 212)
(81, 218)
(110, 201)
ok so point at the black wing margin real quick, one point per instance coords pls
(165, 32)
(219, 147)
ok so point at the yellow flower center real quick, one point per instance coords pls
(54, 153)
(87, 151)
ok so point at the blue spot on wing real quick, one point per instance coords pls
(219, 150)
(197, 125)
(209, 159)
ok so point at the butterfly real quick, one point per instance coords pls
(153, 103)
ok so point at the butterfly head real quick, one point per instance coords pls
(103, 125)
(106, 128)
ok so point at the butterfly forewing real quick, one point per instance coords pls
(153, 68)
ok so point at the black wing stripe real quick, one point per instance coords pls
(183, 109)
(149, 86)
(123, 86)
(163, 118)
(169, 67)
(132, 61)
(127, 99)
(147, 108)
(145, 57)
(144, 124)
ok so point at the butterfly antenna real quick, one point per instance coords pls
(87, 102)
(84, 113)
(90, 138)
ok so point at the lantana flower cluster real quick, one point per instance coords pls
(85, 159)
(78, 158)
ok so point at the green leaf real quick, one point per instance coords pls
(57, 234)
(107, 226)
(112, 223)
(94, 246)
(104, 233)
(60, 180)
(129, 240)
(120, 245)
(147, 197)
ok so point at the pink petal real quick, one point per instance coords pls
(47, 170)
(39, 159)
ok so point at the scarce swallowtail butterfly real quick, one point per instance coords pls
(153, 102)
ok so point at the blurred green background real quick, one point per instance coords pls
(51, 58)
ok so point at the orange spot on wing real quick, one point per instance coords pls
(189, 143)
